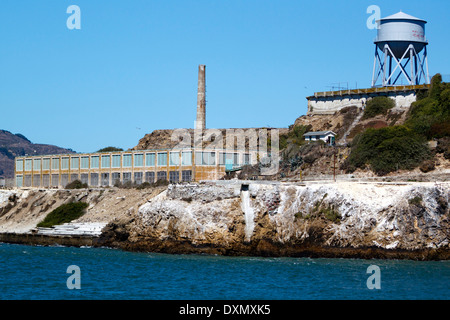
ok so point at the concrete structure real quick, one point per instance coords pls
(400, 41)
(136, 167)
(326, 136)
(200, 123)
(327, 103)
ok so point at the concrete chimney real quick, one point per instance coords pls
(201, 99)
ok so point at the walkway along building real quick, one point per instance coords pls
(107, 169)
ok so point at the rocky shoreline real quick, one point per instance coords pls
(245, 218)
(261, 249)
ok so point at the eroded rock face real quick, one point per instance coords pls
(293, 219)
(364, 220)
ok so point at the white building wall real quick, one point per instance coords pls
(332, 104)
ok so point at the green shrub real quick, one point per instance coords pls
(386, 150)
(110, 149)
(63, 214)
(430, 116)
(77, 184)
(331, 214)
(416, 201)
(158, 183)
(378, 105)
(435, 87)
(294, 136)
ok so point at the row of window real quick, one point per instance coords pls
(105, 179)
(106, 161)
(128, 161)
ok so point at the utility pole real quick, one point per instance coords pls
(334, 164)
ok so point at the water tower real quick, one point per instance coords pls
(400, 51)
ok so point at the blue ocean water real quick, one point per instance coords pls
(40, 273)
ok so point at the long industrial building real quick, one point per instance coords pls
(136, 167)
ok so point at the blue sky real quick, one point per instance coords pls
(132, 67)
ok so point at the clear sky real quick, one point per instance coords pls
(132, 67)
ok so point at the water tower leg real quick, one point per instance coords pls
(412, 59)
(390, 69)
(374, 80)
(427, 76)
(417, 72)
(384, 64)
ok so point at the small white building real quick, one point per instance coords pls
(326, 136)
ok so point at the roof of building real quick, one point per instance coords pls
(318, 133)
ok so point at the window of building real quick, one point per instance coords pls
(105, 179)
(229, 158)
(19, 165)
(36, 180)
(186, 158)
(46, 180)
(162, 159)
(127, 161)
(94, 179)
(19, 181)
(115, 178)
(27, 180)
(211, 158)
(174, 159)
(85, 178)
(116, 160)
(55, 180)
(73, 177)
(106, 161)
(161, 175)
(46, 164)
(247, 158)
(74, 163)
(95, 162)
(186, 175)
(205, 158)
(150, 177)
(55, 163)
(37, 165)
(85, 163)
(64, 179)
(138, 177)
(174, 176)
(28, 164)
(126, 177)
(149, 159)
(139, 160)
(64, 164)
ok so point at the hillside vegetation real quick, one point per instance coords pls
(405, 146)
(64, 214)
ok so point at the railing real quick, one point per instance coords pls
(370, 90)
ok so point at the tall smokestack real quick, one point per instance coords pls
(201, 99)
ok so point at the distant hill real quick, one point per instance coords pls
(15, 145)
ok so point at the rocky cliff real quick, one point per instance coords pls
(336, 220)
(361, 220)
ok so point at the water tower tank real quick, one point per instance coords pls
(398, 46)
(399, 31)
